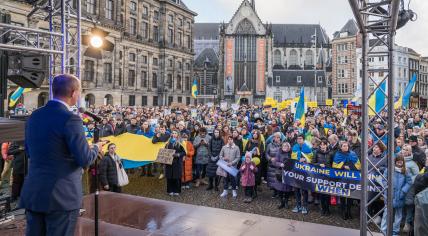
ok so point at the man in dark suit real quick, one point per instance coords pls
(57, 150)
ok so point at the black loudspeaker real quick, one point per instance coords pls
(28, 71)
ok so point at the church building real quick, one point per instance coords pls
(259, 60)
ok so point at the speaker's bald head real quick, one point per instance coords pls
(64, 85)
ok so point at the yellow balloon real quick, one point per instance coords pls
(256, 160)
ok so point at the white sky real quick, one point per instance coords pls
(332, 14)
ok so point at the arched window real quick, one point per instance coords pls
(309, 58)
(277, 59)
(108, 100)
(90, 100)
(293, 59)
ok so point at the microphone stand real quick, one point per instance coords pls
(97, 188)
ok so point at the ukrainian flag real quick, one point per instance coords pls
(195, 89)
(17, 94)
(404, 100)
(300, 109)
(377, 100)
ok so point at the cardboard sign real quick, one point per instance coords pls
(329, 102)
(165, 156)
(223, 106)
(235, 107)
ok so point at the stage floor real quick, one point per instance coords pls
(131, 215)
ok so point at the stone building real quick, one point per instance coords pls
(250, 52)
(152, 61)
(423, 85)
(414, 61)
(344, 60)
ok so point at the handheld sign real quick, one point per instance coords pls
(165, 156)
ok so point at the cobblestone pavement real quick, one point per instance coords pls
(152, 187)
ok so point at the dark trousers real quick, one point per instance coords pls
(200, 171)
(249, 191)
(345, 206)
(299, 193)
(18, 181)
(56, 223)
(115, 188)
(173, 185)
(214, 181)
(325, 202)
(230, 179)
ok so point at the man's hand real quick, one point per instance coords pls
(9, 158)
(229, 164)
(106, 187)
(282, 165)
(322, 165)
(346, 167)
(302, 160)
(158, 135)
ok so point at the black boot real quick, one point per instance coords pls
(282, 205)
(216, 183)
(210, 186)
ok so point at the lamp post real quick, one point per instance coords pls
(314, 40)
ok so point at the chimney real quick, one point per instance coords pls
(253, 4)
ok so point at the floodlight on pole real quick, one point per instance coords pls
(96, 41)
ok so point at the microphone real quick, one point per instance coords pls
(96, 118)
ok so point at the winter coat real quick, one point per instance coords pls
(377, 161)
(321, 157)
(132, 128)
(216, 144)
(238, 142)
(356, 147)
(108, 171)
(412, 169)
(421, 182)
(148, 134)
(248, 177)
(231, 152)
(419, 156)
(105, 130)
(271, 153)
(280, 158)
(188, 163)
(175, 170)
(202, 150)
(401, 184)
(119, 129)
(421, 213)
(251, 145)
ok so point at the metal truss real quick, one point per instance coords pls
(61, 42)
(377, 21)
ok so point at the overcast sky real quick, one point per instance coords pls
(331, 14)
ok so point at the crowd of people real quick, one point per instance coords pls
(257, 141)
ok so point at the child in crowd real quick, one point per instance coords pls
(248, 177)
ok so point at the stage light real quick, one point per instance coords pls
(96, 41)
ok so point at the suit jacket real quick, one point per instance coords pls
(57, 150)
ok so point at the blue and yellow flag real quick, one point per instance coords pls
(195, 89)
(404, 100)
(300, 109)
(17, 94)
(377, 100)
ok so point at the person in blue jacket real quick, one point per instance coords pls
(401, 183)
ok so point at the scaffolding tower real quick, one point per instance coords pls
(61, 42)
(377, 22)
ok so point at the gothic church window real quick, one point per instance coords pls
(309, 58)
(277, 57)
(293, 58)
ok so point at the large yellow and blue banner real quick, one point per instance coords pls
(135, 150)
(336, 182)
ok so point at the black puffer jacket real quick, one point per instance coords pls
(421, 182)
(215, 147)
(108, 171)
(322, 157)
